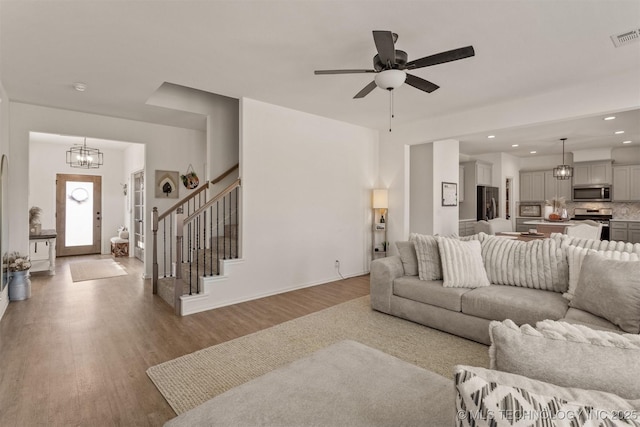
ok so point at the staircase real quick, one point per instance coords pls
(193, 238)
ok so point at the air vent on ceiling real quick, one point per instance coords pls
(626, 37)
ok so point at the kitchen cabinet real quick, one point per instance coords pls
(466, 227)
(626, 183)
(484, 174)
(532, 186)
(554, 187)
(587, 173)
(625, 231)
(475, 173)
(522, 227)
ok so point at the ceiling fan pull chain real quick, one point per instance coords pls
(390, 108)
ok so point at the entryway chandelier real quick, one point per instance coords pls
(81, 156)
(563, 171)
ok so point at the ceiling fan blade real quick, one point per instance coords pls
(343, 71)
(385, 46)
(367, 89)
(441, 58)
(420, 83)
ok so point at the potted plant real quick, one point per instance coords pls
(19, 282)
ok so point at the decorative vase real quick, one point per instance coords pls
(548, 210)
(19, 285)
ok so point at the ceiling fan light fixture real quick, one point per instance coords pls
(390, 79)
(563, 171)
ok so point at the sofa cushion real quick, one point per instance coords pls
(581, 317)
(538, 264)
(575, 257)
(429, 292)
(610, 289)
(407, 252)
(560, 353)
(493, 398)
(429, 266)
(522, 305)
(462, 265)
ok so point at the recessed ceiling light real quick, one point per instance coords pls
(626, 142)
(491, 136)
(618, 132)
(514, 145)
(80, 87)
(532, 152)
(610, 118)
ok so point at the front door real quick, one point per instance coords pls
(78, 213)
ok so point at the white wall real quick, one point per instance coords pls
(610, 94)
(4, 212)
(166, 148)
(47, 160)
(431, 165)
(306, 201)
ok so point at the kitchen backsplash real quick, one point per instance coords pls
(620, 210)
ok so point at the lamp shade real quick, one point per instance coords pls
(390, 79)
(380, 198)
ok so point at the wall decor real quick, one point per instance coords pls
(166, 184)
(449, 194)
(190, 178)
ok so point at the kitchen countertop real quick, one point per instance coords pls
(558, 223)
(625, 220)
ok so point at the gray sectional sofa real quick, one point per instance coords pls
(396, 288)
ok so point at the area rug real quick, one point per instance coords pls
(345, 384)
(98, 269)
(190, 380)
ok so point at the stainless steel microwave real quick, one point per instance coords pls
(592, 193)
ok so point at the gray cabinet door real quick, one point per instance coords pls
(634, 183)
(581, 174)
(634, 236)
(620, 183)
(619, 234)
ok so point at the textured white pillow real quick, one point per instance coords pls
(462, 265)
(575, 257)
(429, 266)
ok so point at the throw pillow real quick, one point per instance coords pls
(575, 257)
(429, 267)
(407, 252)
(462, 265)
(611, 289)
(598, 245)
(561, 353)
(496, 399)
(538, 264)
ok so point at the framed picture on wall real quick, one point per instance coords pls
(449, 194)
(166, 184)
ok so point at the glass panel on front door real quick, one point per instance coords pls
(79, 213)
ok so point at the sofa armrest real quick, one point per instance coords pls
(383, 272)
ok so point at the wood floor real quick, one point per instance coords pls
(75, 354)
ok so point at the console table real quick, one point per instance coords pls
(42, 251)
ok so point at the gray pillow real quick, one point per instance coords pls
(561, 353)
(408, 257)
(611, 289)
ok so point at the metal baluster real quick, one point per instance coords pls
(198, 255)
(164, 246)
(204, 241)
(211, 236)
(171, 243)
(224, 228)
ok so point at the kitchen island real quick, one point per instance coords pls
(550, 226)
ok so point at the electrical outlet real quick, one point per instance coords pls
(337, 264)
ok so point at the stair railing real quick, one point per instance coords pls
(164, 230)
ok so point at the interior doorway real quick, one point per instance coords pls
(508, 197)
(78, 214)
(138, 215)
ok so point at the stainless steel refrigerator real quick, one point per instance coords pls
(488, 203)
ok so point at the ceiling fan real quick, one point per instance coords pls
(391, 66)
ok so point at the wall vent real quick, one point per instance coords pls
(625, 38)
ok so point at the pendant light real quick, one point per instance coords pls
(563, 171)
(81, 156)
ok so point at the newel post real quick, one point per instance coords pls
(177, 283)
(154, 245)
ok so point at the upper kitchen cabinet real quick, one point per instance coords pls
(626, 183)
(484, 173)
(586, 173)
(532, 186)
(554, 187)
